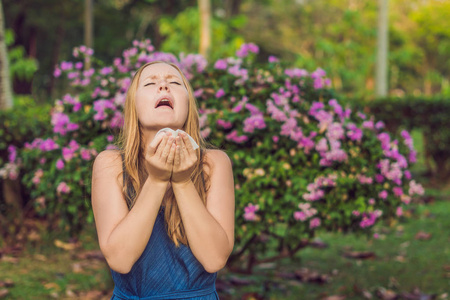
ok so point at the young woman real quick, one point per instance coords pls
(164, 212)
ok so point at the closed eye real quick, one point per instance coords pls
(149, 83)
(176, 82)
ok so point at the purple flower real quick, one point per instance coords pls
(253, 109)
(254, 121)
(220, 93)
(379, 125)
(188, 62)
(245, 49)
(63, 188)
(415, 188)
(59, 164)
(383, 194)
(296, 72)
(250, 211)
(85, 154)
(198, 93)
(379, 178)
(233, 136)
(398, 191)
(313, 223)
(106, 70)
(224, 123)
(221, 64)
(88, 73)
(318, 73)
(57, 72)
(79, 65)
(100, 106)
(273, 59)
(299, 215)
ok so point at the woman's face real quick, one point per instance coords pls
(161, 97)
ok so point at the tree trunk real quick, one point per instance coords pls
(6, 100)
(232, 7)
(204, 7)
(88, 28)
(382, 50)
(11, 223)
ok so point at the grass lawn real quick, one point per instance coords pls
(401, 263)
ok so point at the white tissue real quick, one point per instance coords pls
(175, 133)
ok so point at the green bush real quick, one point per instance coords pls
(301, 161)
(427, 114)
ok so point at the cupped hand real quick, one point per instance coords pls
(185, 159)
(160, 157)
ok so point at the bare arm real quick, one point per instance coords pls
(210, 229)
(123, 235)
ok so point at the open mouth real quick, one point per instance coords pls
(165, 102)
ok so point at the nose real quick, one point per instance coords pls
(164, 86)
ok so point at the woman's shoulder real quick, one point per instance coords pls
(108, 156)
(108, 161)
(217, 157)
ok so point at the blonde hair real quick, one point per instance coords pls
(132, 150)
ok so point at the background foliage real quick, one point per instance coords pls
(302, 161)
(339, 36)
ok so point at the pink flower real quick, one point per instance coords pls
(405, 199)
(399, 211)
(63, 188)
(415, 188)
(79, 65)
(221, 64)
(37, 176)
(246, 48)
(273, 59)
(59, 164)
(313, 223)
(383, 194)
(250, 210)
(379, 178)
(233, 136)
(299, 215)
(224, 124)
(57, 72)
(12, 153)
(398, 191)
(85, 154)
(220, 93)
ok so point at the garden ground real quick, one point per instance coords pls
(410, 257)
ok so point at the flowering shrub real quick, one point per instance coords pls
(302, 162)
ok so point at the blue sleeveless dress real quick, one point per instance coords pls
(164, 271)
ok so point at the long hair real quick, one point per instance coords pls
(131, 148)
